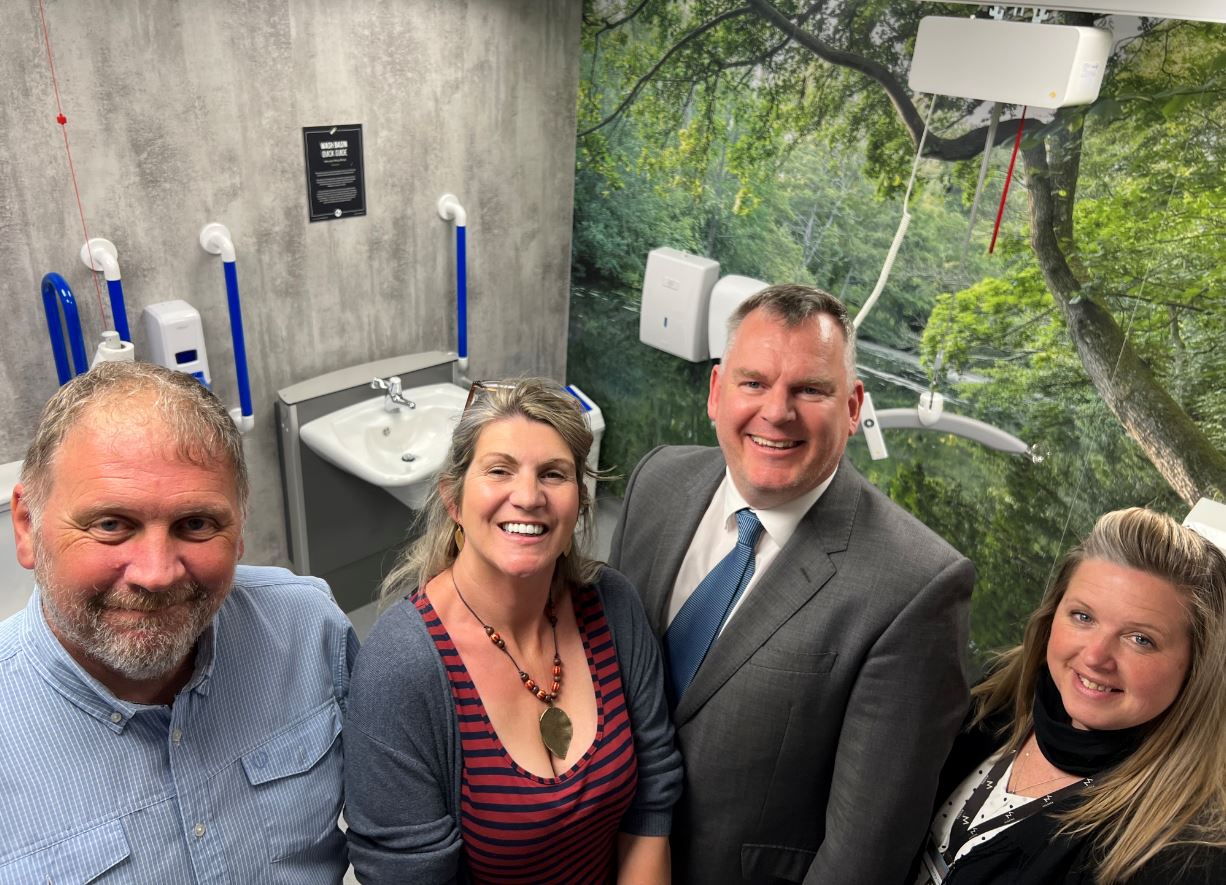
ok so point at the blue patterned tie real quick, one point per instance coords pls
(697, 623)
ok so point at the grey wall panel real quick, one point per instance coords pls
(184, 113)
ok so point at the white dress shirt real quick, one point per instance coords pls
(716, 536)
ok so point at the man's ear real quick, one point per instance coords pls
(23, 527)
(855, 401)
(713, 393)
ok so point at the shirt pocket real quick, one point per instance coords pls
(298, 778)
(76, 860)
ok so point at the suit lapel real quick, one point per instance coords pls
(692, 493)
(800, 570)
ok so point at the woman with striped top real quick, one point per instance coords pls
(507, 720)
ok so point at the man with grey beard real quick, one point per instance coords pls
(166, 715)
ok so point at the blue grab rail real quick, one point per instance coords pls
(236, 311)
(54, 285)
(119, 313)
(461, 277)
(236, 333)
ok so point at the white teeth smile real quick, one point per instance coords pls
(775, 443)
(522, 528)
(1094, 686)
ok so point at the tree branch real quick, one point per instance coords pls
(655, 69)
(962, 147)
(719, 67)
(1158, 302)
(769, 52)
(609, 26)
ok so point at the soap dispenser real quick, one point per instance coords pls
(176, 339)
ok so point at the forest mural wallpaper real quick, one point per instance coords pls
(778, 139)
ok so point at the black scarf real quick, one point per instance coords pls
(1072, 749)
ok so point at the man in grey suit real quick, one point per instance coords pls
(814, 631)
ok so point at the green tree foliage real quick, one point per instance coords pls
(709, 127)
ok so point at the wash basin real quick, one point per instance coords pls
(401, 451)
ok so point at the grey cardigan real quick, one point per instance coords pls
(402, 743)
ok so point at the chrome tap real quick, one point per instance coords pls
(393, 399)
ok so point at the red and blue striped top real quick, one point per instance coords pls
(518, 827)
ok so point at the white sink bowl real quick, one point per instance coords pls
(402, 451)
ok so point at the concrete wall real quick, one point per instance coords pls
(184, 113)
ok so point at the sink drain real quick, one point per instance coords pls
(408, 457)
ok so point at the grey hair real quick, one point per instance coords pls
(198, 423)
(793, 304)
(537, 399)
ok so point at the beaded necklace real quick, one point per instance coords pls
(555, 725)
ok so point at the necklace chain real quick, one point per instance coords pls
(1019, 789)
(548, 697)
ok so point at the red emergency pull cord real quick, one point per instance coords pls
(1004, 195)
(72, 169)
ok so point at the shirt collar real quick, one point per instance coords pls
(71, 680)
(778, 522)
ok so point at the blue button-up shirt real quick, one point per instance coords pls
(239, 780)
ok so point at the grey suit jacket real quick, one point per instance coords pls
(816, 727)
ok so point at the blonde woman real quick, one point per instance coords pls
(507, 719)
(1096, 750)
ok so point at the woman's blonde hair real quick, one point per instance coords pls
(1172, 790)
(536, 399)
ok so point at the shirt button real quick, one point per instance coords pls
(177, 736)
(198, 829)
(117, 717)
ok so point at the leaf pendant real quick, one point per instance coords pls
(556, 731)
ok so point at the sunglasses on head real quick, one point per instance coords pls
(481, 388)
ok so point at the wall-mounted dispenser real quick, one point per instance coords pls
(686, 305)
(726, 297)
(676, 293)
(176, 339)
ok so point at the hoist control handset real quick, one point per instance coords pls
(872, 430)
